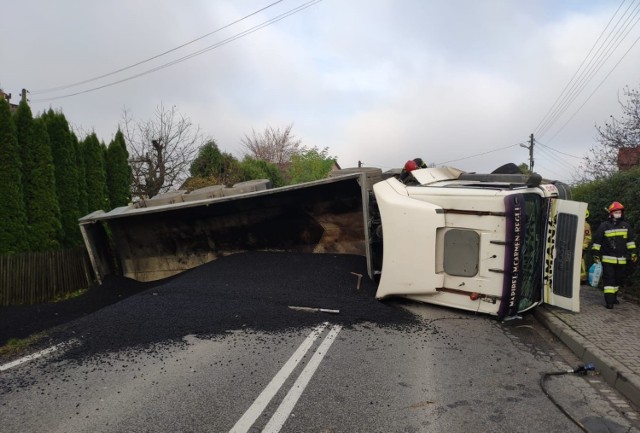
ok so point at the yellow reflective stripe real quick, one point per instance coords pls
(631, 245)
(614, 260)
(595, 247)
(610, 289)
(616, 232)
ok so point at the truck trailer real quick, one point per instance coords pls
(498, 244)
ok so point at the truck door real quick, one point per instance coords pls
(563, 254)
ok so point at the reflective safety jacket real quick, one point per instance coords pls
(586, 240)
(613, 240)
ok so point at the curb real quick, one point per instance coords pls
(614, 373)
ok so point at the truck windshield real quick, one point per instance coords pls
(532, 251)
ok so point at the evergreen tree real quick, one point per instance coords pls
(220, 167)
(66, 174)
(105, 189)
(38, 180)
(95, 174)
(209, 162)
(83, 206)
(12, 213)
(119, 176)
(23, 119)
(231, 171)
(42, 200)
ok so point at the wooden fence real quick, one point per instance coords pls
(30, 278)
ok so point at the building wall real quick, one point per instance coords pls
(628, 157)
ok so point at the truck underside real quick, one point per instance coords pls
(154, 242)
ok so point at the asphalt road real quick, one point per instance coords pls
(209, 352)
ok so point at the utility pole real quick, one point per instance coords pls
(531, 153)
(530, 147)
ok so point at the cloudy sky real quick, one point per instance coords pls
(456, 82)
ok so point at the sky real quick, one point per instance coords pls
(456, 82)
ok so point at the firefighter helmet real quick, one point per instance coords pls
(410, 165)
(616, 205)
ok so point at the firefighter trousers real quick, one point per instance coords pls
(613, 276)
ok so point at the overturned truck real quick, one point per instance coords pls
(493, 243)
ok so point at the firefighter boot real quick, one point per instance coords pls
(609, 299)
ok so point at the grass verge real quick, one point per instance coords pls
(69, 295)
(18, 346)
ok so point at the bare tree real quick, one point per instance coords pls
(161, 150)
(602, 160)
(273, 145)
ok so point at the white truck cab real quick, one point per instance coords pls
(498, 244)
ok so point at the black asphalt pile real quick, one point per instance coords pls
(248, 291)
(22, 321)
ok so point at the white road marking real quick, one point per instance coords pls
(33, 356)
(251, 415)
(286, 407)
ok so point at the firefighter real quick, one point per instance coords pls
(405, 174)
(420, 163)
(612, 242)
(409, 166)
(586, 241)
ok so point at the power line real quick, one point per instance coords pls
(596, 89)
(555, 160)
(548, 162)
(557, 151)
(479, 154)
(194, 54)
(561, 176)
(548, 114)
(594, 69)
(602, 54)
(585, 75)
(66, 86)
